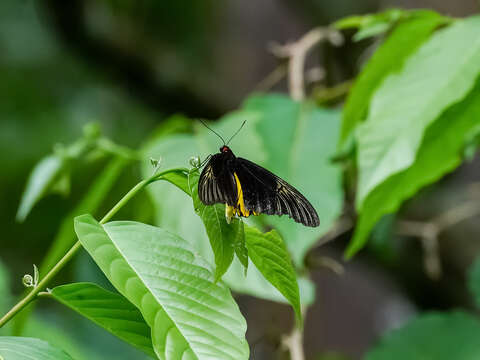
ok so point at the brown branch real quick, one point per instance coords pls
(341, 226)
(314, 262)
(297, 52)
(293, 342)
(272, 79)
(429, 232)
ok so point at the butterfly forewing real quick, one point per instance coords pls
(217, 183)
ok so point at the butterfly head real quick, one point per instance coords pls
(225, 149)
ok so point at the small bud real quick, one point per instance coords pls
(28, 280)
(92, 130)
(195, 161)
(154, 162)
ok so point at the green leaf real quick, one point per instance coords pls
(269, 254)
(23, 348)
(436, 336)
(223, 236)
(57, 335)
(65, 236)
(97, 192)
(371, 24)
(42, 178)
(441, 151)
(433, 79)
(300, 151)
(190, 315)
(387, 59)
(51, 174)
(109, 310)
(474, 281)
(178, 179)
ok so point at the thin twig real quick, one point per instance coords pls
(429, 232)
(324, 95)
(297, 53)
(325, 262)
(294, 341)
(272, 79)
(341, 226)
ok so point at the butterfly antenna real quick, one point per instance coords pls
(209, 128)
(236, 132)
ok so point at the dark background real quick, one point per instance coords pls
(128, 65)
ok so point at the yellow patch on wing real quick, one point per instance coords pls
(240, 209)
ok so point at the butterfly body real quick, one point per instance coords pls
(248, 189)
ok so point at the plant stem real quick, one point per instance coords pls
(74, 249)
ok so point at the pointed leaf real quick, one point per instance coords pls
(433, 79)
(441, 151)
(42, 178)
(269, 254)
(23, 348)
(178, 179)
(190, 315)
(109, 310)
(387, 59)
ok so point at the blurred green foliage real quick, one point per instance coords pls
(411, 117)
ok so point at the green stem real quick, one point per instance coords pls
(73, 250)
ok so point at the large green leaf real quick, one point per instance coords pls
(433, 78)
(269, 254)
(300, 140)
(437, 336)
(441, 152)
(190, 315)
(23, 348)
(389, 58)
(109, 310)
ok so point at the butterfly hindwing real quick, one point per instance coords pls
(264, 192)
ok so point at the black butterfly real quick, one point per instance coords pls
(248, 189)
